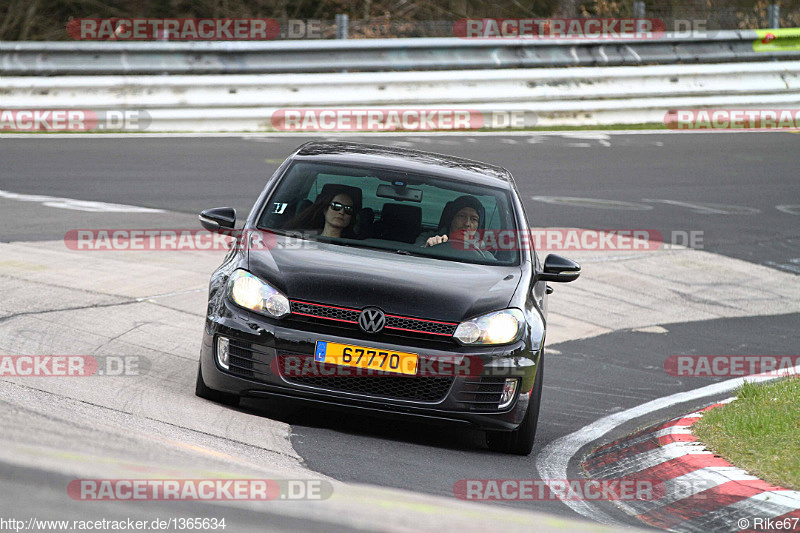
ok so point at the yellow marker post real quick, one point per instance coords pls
(777, 40)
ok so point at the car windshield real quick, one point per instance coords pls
(393, 211)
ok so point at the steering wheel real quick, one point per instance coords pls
(466, 252)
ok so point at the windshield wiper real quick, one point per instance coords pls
(407, 252)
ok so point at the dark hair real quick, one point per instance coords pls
(313, 216)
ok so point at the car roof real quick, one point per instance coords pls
(405, 159)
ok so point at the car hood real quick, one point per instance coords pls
(399, 284)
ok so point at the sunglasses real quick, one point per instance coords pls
(348, 209)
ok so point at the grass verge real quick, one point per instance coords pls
(759, 432)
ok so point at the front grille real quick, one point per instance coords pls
(340, 314)
(248, 360)
(421, 389)
(393, 322)
(482, 394)
(420, 326)
(240, 359)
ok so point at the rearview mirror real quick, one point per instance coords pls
(559, 269)
(399, 193)
(218, 219)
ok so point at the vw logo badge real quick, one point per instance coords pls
(372, 320)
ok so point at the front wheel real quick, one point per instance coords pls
(201, 390)
(520, 441)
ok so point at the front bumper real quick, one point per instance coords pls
(257, 341)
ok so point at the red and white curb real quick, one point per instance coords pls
(700, 492)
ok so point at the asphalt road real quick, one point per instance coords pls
(739, 190)
(749, 174)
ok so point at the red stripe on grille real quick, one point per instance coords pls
(419, 331)
(423, 320)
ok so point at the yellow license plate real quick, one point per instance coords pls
(363, 357)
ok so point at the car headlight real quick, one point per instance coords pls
(499, 327)
(251, 293)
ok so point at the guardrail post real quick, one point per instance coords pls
(341, 26)
(638, 10)
(567, 8)
(773, 16)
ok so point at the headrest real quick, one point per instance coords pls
(364, 228)
(401, 222)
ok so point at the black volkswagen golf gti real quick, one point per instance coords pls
(394, 280)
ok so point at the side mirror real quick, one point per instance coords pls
(559, 269)
(219, 219)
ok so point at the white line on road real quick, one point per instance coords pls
(711, 209)
(167, 295)
(790, 209)
(596, 203)
(77, 205)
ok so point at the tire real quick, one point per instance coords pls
(520, 441)
(201, 390)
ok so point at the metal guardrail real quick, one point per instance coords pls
(370, 55)
(527, 87)
(557, 96)
(238, 86)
